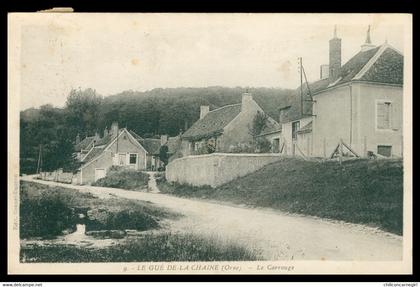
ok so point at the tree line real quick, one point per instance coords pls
(152, 113)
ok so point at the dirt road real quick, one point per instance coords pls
(277, 235)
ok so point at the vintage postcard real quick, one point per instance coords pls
(146, 143)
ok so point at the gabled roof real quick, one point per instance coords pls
(213, 123)
(84, 143)
(106, 142)
(152, 146)
(382, 64)
(94, 152)
(271, 127)
(135, 135)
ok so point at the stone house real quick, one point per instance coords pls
(225, 128)
(359, 103)
(118, 147)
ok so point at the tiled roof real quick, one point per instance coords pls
(152, 146)
(93, 153)
(295, 112)
(135, 135)
(83, 144)
(174, 144)
(353, 66)
(388, 68)
(213, 123)
(105, 140)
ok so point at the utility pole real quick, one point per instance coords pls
(39, 167)
(301, 85)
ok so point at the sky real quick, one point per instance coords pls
(112, 53)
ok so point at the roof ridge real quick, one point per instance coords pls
(231, 105)
(371, 61)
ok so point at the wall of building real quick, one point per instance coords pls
(304, 143)
(286, 134)
(237, 131)
(125, 144)
(349, 113)
(217, 168)
(369, 136)
(87, 172)
(332, 120)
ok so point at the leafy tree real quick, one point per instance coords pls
(258, 124)
(163, 154)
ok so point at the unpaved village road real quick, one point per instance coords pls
(277, 235)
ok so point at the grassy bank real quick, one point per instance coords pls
(48, 211)
(129, 179)
(358, 191)
(147, 248)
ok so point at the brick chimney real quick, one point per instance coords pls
(97, 137)
(105, 131)
(204, 110)
(77, 139)
(335, 56)
(163, 139)
(114, 129)
(247, 101)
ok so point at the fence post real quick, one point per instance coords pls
(325, 147)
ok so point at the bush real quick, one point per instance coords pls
(43, 216)
(118, 177)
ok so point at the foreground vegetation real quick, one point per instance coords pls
(48, 211)
(358, 191)
(146, 248)
(119, 177)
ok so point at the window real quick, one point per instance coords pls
(295, 128)
(385, 150)
(133, 158)
(383, 115)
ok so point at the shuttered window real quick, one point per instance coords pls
(383, 113)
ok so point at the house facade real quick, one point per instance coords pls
(118, 147)
(359, 103)
(224, 129)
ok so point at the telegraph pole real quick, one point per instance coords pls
(301, 84)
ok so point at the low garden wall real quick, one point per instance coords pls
(217, 168)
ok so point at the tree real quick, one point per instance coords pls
(163, 154)
(258, 124)
(82, 111)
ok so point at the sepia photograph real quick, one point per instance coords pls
(225, 143)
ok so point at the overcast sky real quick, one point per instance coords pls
(116, 52)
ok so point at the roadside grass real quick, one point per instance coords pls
(47, 211)
(129, 179)
(162, 247)
(362, 191)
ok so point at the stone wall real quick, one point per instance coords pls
(217, 168)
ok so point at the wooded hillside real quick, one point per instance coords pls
(158, 111)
